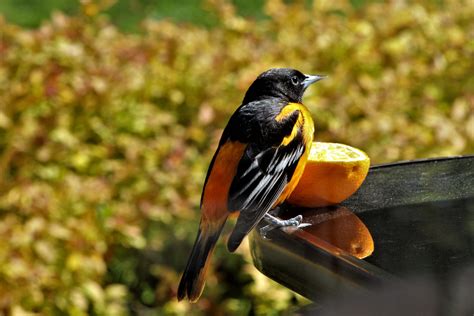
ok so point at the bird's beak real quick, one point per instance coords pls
(310, 79)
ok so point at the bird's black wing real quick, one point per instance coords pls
(261, 177)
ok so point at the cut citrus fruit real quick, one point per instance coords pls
(332, 174)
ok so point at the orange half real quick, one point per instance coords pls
(332, 174)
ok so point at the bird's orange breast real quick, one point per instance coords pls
(216, 190)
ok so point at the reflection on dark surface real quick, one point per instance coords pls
(321, 259)
(432, 237)
(338, 226)
(419, 215)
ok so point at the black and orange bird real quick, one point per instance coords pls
(260, 159)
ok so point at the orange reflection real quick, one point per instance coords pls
(339, 227)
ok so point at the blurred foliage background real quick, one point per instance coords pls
(110, 112)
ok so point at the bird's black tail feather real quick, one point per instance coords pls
(193, 279)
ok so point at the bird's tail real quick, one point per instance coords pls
(193, 279)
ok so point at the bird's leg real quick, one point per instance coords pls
(275, 222)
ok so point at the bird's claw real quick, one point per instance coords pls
(289, 224)
(295, 221)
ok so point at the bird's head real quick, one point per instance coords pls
(286, 83)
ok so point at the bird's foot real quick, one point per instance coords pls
(274, 222)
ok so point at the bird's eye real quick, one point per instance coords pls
(295, 80)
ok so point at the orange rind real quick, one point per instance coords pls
(332, 173)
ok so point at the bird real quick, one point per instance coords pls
(258, 162)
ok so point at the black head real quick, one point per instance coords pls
(286, 83)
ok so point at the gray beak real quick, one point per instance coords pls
(310, 79)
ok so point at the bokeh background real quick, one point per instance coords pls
(110, 111)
